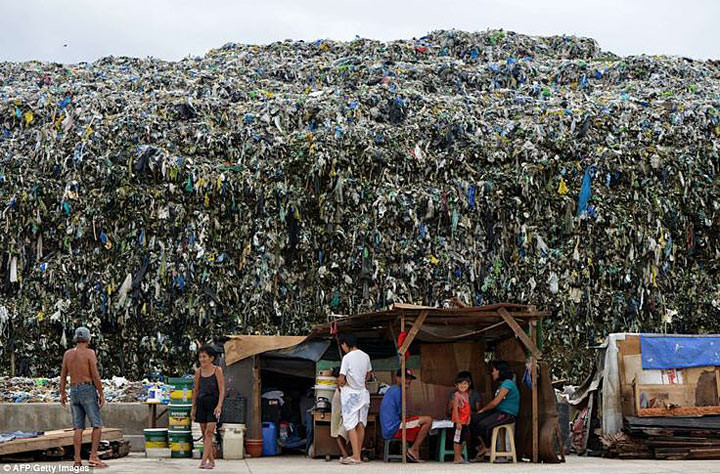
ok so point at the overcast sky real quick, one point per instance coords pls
(85, 30)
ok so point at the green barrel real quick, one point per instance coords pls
(179, 416)
(180, 444)
(181, 391)
(156, 438)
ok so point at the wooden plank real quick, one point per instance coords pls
(636, 396)
(520, 333)
(478, 316)
(717, 381)
(411, 335)
(588, 422)
(55, 439)
(535, 414)
(257, 402)
(679, 411)
(706, 423)
(559, 441)
(682, 395)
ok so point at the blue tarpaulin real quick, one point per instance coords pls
(677, 352)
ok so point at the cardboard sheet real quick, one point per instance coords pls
(242, 347)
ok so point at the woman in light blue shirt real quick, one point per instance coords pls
(502, 410)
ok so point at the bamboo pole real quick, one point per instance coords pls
(257, 401)
(535, 417)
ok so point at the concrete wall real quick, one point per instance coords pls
(131, 417)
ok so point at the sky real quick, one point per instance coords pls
(85, 30)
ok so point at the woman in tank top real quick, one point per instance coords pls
(207, 401)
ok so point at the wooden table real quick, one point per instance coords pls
(326, 446)
(153, 416)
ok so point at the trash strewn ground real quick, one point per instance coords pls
(46, 390)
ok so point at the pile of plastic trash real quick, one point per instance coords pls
(258, 189)
(47, 390)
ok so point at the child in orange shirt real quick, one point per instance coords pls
(461, 416)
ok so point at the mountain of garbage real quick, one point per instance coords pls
(259, 189)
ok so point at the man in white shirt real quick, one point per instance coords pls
(355, 398)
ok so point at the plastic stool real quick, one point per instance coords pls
(387, 457)
(442, 452)
(508, 432)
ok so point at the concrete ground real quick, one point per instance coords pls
(136, 463)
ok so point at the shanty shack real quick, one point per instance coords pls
(440, 343)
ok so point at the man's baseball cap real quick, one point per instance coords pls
(408, 374)
(82, 334)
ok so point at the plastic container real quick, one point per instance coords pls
(270, 437)
(324, 393)
(155, 394)
(180, 444)
(181, 391)
(156, 438)
(158, 453)
(197, 435)
(180, 382)
(179, 417)
(326, 382)
(234, 442)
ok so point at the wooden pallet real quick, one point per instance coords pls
(55, 439)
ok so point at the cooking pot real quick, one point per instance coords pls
(323, 405)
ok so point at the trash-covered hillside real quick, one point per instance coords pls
(259, 189)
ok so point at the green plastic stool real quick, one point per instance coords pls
(442, 452)
(387, 457)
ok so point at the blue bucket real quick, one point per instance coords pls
(270, 437)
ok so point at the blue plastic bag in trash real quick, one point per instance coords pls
(585, 191)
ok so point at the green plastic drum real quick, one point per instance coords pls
(181, 392)
(156, 438)
(179, 417)
(180, 444)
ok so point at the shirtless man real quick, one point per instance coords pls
(86, 393)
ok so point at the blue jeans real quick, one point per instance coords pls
(84, 401)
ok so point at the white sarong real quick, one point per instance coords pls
(355, 406)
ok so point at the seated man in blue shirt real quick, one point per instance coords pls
(416, 427)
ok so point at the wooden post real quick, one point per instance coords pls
(413, 332)
(403, 390)
(636, 396)
(527, 341)
(257, 406)
(535, 414)
(151, 418)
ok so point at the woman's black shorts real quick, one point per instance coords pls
(205, 408)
